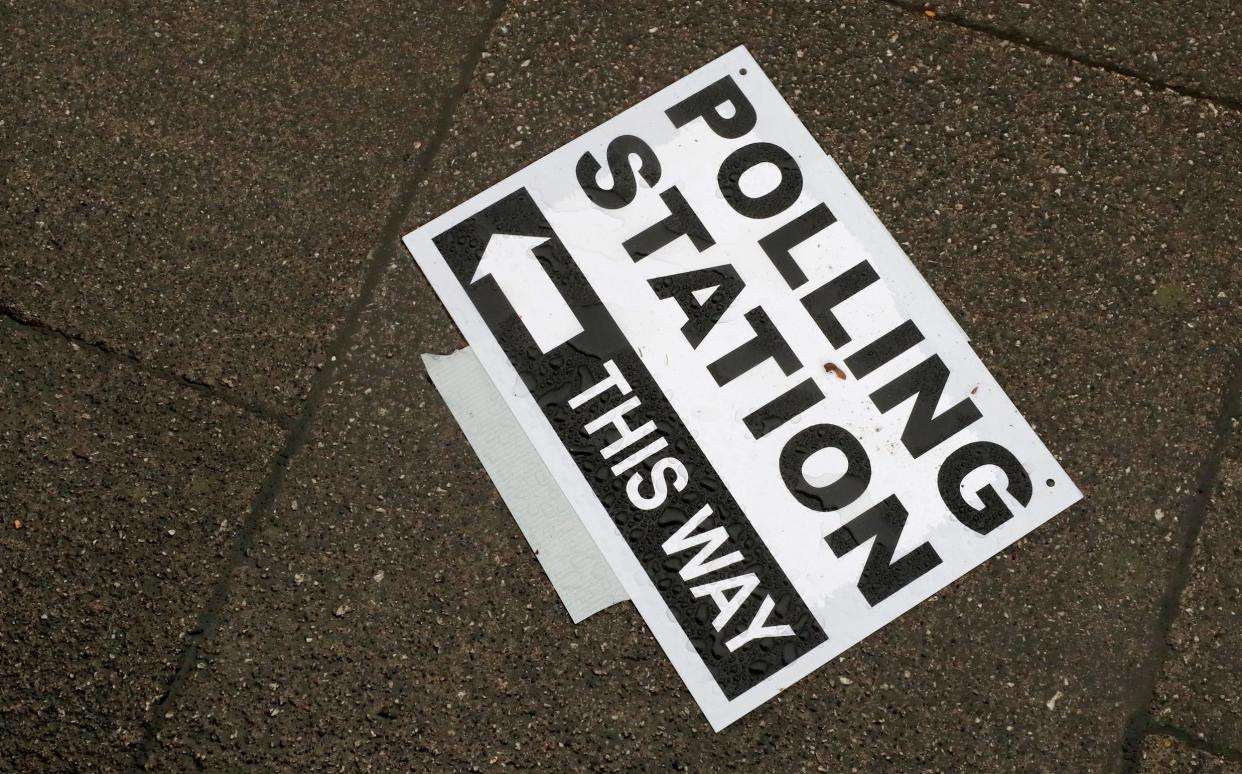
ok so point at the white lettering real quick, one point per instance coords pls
(728, 605)
(615, 379)
(683, 540)
(758, 628)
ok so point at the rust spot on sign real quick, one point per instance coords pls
(835, 370)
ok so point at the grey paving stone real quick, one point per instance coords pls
(199, 185)
(1163, 754)
(1094, 294)
(1201, 688)
(1195, 45)
(120, 494)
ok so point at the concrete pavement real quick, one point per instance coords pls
(211, 333)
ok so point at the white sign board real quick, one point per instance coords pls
(774, 431)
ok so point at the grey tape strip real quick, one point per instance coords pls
(569, 556)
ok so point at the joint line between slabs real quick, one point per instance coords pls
(1139, 723)
(1025, 41)
(380, 258)
(260, 410)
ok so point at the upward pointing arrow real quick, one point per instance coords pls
(511, 261)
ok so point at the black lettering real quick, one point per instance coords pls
(624, 185)
(884, 349)
(767, 343)
(925, 429)
(840, 493)
(822, 300)
(700, 318)
(993, 512)
(746, 158)
(681, 221)
(783, 408)
(706, 104)
(780, 242)
(588, 377)
(881, 576)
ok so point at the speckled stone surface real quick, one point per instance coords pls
(1085, 235)
(1201, 688)
(200, 185)
(1163, 754)
(1196, 45)
(120, 495)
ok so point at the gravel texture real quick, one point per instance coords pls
(1201, 687)
(200, 185)
(1085, 232)
(1195, 46)
(120, 495)
(1163, 754)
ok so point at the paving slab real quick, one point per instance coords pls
(1195, 45)
(1085, 237)
(199, 185)
(1163, 754)
(120, 493)
(1201, 687)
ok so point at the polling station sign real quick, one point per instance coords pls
(774, 431)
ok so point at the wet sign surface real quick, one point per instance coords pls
(774, 431)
